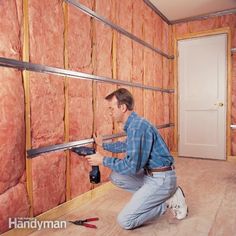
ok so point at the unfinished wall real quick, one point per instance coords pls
(80, 92)
(211, 24)
(103, 66)
(13, 194)
(67, 38)
(47, 103)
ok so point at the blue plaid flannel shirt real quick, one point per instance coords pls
(144, 147)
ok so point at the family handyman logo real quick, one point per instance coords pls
(33, 223)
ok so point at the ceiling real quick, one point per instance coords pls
(175, 10)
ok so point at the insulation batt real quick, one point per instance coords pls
(47, 103)
(13, 195)
(80, 93)
(91, 47)
(103, 38)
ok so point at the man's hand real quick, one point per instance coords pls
(95, 159)
(98, 139)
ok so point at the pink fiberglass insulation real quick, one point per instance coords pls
(166, 82)
(208, 24)
(137, 57)
(158, 82)
(137, 77)
(13, 204)
(11, 101)
(165, 38)
(79, 174)
(47, 109)
(46, 27)
(150, 109)
(89, 47)
(80, 92)
(158, 71)
(126, 50)
(80, 123)
(211, 24)
(103, 39)
(13, 195)
(149, 23)
(123, 18)
(12, 135)
(123, 14)
(48, 173)
(124, 59)
(124, 44)
(158, 25)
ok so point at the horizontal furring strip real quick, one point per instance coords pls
(93, 14)
(64, 146)
(12, 63)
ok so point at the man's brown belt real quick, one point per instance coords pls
(161, 169)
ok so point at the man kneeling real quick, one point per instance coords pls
(147, 169)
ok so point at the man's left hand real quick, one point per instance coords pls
(95, 159)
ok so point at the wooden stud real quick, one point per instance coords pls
(66, 111)
(94, 55)
(176, 134)
(94, 84)
(229, 91)
(29, 181)
(170, 62)
(114, 55)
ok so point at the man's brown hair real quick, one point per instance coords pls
(123, 96)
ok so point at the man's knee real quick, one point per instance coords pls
(125, 222)
(129, 183)
(117, 179)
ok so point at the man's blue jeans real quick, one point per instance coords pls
(148, 200)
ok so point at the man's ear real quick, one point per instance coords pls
(124, 107)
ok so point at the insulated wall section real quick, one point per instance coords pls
(80, 92)
(13, 194)
(47, 103)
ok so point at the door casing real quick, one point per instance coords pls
(226, 31)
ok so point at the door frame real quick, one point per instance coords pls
(226, 31)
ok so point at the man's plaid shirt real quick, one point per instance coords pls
(144, 147)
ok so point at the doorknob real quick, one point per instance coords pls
(220, 104)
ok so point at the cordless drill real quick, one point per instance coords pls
(94, 174)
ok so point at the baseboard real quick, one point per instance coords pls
(64, 208)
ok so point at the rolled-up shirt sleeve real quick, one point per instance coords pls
(116, 147)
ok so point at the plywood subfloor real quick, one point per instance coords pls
(210, 188)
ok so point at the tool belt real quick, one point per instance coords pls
(150, 172)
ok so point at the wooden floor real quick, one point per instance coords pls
(210, 188)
